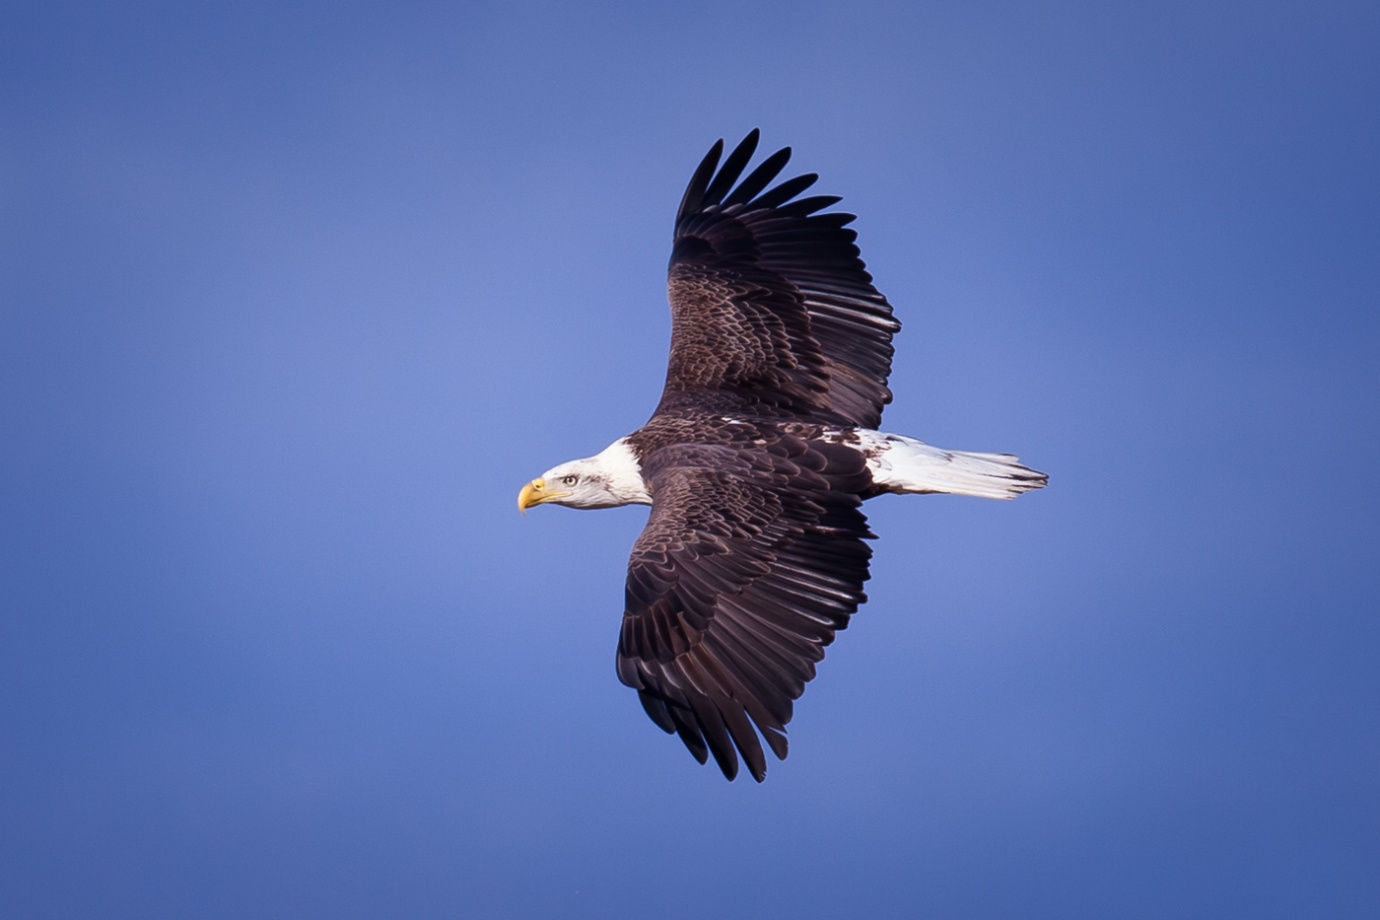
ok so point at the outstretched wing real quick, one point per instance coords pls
(750, 562)
(770, 303)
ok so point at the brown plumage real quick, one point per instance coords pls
(752, 559)
(757, 461)
(771, 308)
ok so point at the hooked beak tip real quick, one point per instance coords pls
(532, 494)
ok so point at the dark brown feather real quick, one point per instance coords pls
(752, 559)
(772, 308)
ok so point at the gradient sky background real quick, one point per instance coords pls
(294, 297)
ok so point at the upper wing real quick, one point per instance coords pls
(750, 562)
(770, 300)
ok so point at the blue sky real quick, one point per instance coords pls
(293, 298)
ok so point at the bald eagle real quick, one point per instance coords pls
(757, 460)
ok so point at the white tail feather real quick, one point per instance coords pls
(904, 465)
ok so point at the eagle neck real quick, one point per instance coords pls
(620, 465)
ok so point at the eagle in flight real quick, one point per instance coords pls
(757, 461)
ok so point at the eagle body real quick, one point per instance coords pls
(756, 462)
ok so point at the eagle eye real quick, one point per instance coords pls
(570, 480)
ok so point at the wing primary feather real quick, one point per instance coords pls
(754, 700)
(821, 599)
(656, 710)
(838, 219)
(715, 733)
(685, 721)
(732, 169)
(759, 178)
(748, 683)
(787, 668)
(758, 654)
(724, 692)
(693, 198)
(776, 738)
(797, 653)
(786, 191)
(807, 206)
(741, 731)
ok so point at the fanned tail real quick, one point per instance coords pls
(906, 466)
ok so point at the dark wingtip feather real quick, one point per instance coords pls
(732, 169)
(785, 191)
(689, 733)
(776, 740)
(710, 725)
(656, 710)
(807, 206)
(760, 177)
(693, 198)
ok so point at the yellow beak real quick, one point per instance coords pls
(534, 493)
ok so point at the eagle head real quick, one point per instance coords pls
(606, 480)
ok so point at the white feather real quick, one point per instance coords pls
(904, 465)
(610, 478)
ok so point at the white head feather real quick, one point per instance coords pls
(610, 478)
